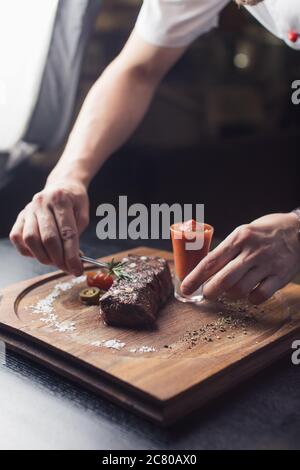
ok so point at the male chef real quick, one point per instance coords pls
(256, 259)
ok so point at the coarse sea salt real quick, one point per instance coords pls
(132, 265)
(114, 344)
(143, 349)
(51, 318)
(64, 286)
(46, 306)
(146, 349)
(66, 326)
(110, 344)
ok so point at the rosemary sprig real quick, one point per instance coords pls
(116, 268)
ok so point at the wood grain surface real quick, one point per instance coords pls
(193, 355)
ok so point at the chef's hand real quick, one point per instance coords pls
(255, 260)
(49, 227)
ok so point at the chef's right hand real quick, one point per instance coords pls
(50, 226)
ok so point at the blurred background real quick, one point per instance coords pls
(221, 131)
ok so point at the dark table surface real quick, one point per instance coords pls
(40, 410)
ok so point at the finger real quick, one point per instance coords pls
(81, 212)
(65, 220)
(50, 237)
(265, 290)
(250, 280)
(16, 236)
(210, 265)
(32, 238)
(226, 278)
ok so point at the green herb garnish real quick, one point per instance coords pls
(116, 268)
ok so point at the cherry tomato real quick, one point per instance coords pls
(293, 36)
(99, 279)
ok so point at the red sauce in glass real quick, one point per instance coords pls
(182, 233)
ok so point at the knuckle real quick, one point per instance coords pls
(209, 262)
(59, 196)
(243, 234)
(68, 233)
(30, 239)
(49, 239)
(15, 237)
(38, 198)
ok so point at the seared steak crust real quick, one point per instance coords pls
(136, 302)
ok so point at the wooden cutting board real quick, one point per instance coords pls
(193, 355)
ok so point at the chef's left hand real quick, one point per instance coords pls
(255, 260)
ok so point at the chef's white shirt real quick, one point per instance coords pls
(177, 23)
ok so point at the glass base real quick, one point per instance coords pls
(195, 298)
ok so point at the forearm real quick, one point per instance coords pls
(112, 110)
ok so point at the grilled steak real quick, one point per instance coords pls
(136, 302)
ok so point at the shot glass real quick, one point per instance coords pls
(191, 242)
